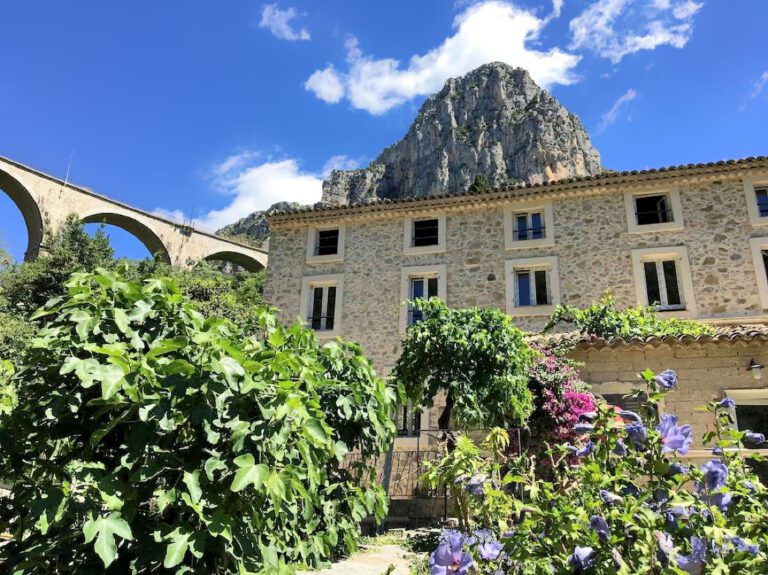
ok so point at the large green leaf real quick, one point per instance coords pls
(104, 529)
(111, 377)
(177, 548)
(250, 473)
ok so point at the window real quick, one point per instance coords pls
(625, 402)
(663, 279)
(759, 247)
(422, 287)
(408, 421)
(653, 212)
(529, 227)
(533, 286)
(424, 235)
(321, 303)
(756, 193)
(751, 413)
(419, 282)
(325, 244)
(662, 284)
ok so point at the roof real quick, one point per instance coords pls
(743, 333)
(608, 178)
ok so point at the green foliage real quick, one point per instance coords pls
(620, 495)
(476, 356)
(148, 438)
(603, 320)
(479, 184)
(7, 390)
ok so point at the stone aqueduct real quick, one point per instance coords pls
(45, 202)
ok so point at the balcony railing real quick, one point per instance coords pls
(321, 322)
(532, 233)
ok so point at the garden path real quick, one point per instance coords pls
(373, 560)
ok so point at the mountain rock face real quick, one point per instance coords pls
(495, 122)
(254, 228)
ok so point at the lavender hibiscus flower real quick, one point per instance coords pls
(600, 526)
(666, 379)
(694, 562)
(715, 474)
(450, 558)
(674, 437)
(754, 437)
(582, 558)
(726, 403)
(637, 434)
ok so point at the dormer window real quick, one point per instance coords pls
(424, 235)
(654, 211)
(325, 244)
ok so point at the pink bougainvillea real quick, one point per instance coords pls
(560, 396)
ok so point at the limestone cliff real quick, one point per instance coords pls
(254, 227)
(495, 121)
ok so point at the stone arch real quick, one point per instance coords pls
(244, 261)
(133, 226)
(30, 211)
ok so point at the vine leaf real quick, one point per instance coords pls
(249, 473)
(104, 530)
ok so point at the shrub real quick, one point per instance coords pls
(603, 320)
(621, 503)
(477, 357)
(150, 439)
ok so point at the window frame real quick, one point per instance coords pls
(409, 248)
(308, 284)
(406, 275)
(510, 216)
(747, 396)
(685, 282)
(675, 205)
(511, 267)
(750, 194)
(757, 245)
(313, 234)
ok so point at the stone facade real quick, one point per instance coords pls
(592, 243)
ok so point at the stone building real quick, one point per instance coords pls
(691, 239)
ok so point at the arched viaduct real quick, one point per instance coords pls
(45, 203)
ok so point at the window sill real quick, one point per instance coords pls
(417, 250)
(648, 228)
(759, 221)
(327, 334)
(677, 313)
(522, 244)
(531, 311)
(333, 258)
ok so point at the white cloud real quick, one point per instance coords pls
(279, 23)
(557, 8)
(610, 116)
(339, 162)
(172, 215)
(616, 28)
(757, 89)
(492, 30)
(326, 84)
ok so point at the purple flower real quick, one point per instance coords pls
(742, 545)
(674, 514)
(630, 416)
(749, 485)
(620, 449)
(476, 484)
(450, 558)
(666, 546)
(674, 437)
(666, 379)
(717, 450)
(726, 403)
(490, 550)
(694, 563)
(582, 558)
(637, 434)
(630, 489)
(721, 500)
(599, 524)
(715, 474)
(585, 450)
(754, 437)
(676, 468)
(610, 498)
(583, 428)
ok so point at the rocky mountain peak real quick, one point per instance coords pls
(495, 121)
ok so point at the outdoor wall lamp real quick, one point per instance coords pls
(756, 369)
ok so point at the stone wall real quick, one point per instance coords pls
(592, 244)
(704, 372)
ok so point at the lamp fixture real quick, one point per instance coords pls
(756, 369)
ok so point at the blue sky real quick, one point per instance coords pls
(210, 110)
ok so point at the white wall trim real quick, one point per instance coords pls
(309, 282)
(751, 198)
(312, 242)
(406, 273)
(752, 396)
(548, 262)
(673, 193)
(509, 226)
(409, 249)
(757, 245)
(678, 253)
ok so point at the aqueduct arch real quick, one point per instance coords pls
(29, 211)
(45, 203)
(134, 227)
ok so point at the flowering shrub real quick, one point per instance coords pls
(620, 502)
(560, 396)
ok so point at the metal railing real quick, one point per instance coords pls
(531, 233)
(663, 215)
(321, 322)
